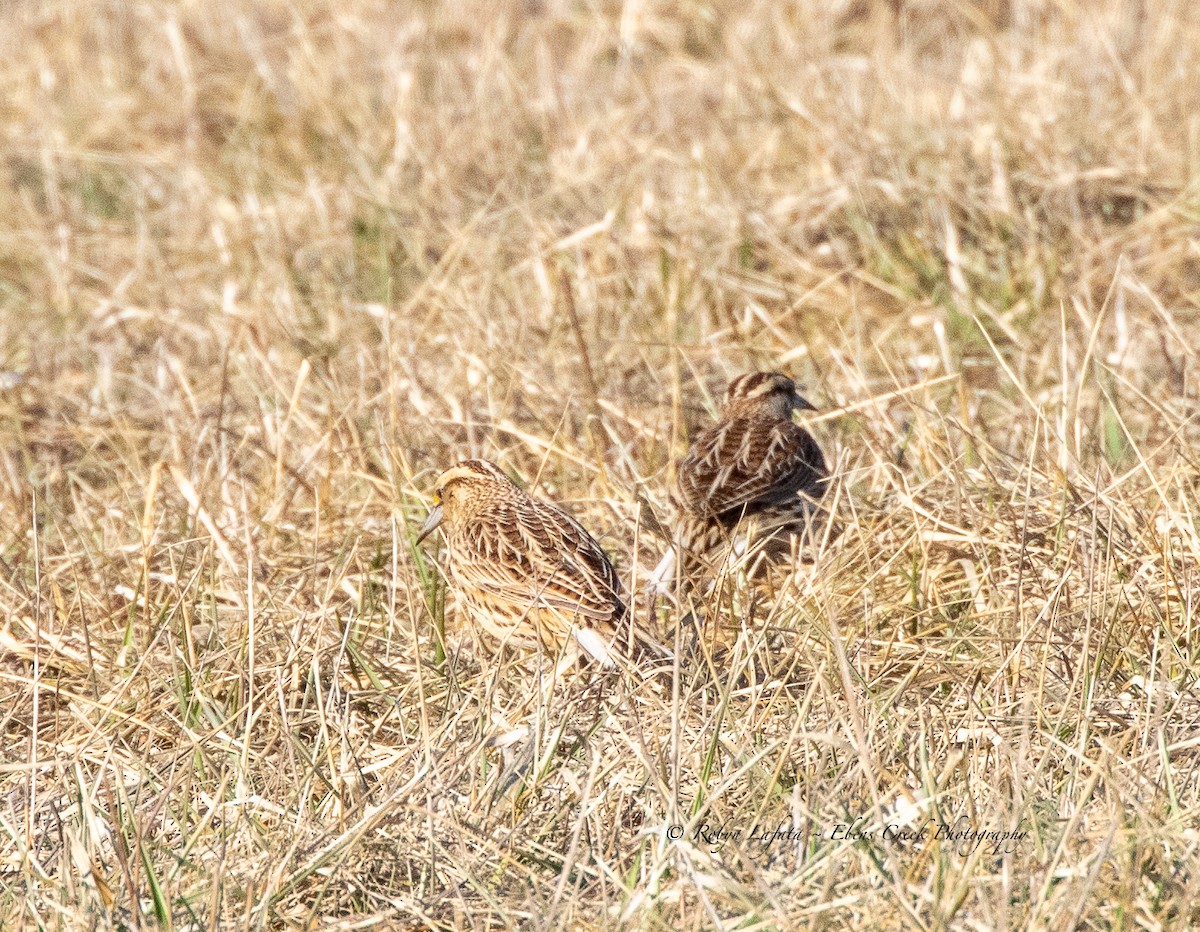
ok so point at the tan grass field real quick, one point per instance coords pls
(266, 268)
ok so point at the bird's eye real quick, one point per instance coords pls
(437, 498)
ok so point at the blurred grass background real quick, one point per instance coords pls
(266, 268)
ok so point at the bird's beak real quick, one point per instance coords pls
(800, 403)
(431, 523)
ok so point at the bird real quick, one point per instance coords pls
(755, 469)
(528, 572)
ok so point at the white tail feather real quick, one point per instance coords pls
(660, 580)
(595, 646)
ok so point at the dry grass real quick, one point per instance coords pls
(266, 268)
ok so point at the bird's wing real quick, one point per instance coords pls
(541, 553)
(746, 463)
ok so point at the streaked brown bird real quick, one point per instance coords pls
(527, 571)
(755, 471)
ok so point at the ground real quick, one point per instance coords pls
(266, 268)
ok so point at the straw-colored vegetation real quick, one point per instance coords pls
(267, 268)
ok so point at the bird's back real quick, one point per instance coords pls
(748, 464)
(525, 562)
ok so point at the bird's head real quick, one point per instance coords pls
(459, 486)
(771, 390)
